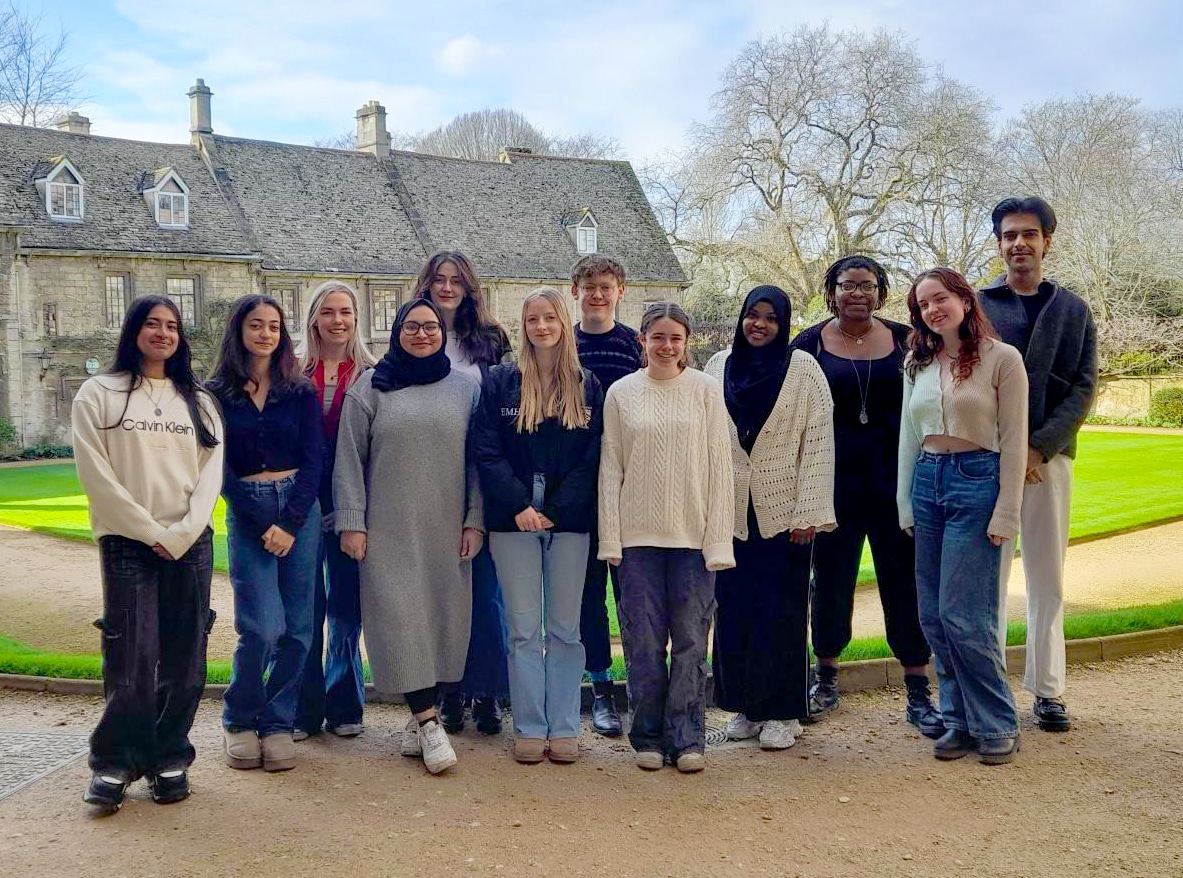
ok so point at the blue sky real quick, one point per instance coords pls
(639, 71)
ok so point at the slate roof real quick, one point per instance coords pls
(314, 209)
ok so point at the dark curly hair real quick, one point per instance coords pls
(924, 344)
(846, 263)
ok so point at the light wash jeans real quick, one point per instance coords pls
(957, 568)
(541, 578)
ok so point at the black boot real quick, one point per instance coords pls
(920, 711)
(451, 713)
(823, 694)
(605, 719)
(486, 713)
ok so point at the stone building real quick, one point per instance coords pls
(87, 223)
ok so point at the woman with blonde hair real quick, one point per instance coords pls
(333, 356)
(537, 445)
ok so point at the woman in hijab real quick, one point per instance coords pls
(783, 453)
(408, 510)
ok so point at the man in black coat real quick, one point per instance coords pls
(1053, 328)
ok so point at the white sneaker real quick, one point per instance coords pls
(779, 735)
(438, 754)
(412, 745)
(346, 730)
(741, 728)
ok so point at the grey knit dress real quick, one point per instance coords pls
(402, 476)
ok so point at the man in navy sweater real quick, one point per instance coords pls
(1053, 328)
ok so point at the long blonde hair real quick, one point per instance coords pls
(308, 349)
(558, 395)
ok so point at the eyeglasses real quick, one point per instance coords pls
(867, 286)
(412, 327)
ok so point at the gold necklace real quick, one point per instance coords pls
(857, 339)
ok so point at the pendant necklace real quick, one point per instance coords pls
(155, 402)
(862, 414)
(857, 339)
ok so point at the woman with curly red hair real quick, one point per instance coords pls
(963, 447)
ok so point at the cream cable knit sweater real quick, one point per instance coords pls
(665, 468)
(790, 473)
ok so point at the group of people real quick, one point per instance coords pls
(464, 505)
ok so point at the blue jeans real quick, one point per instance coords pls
(334, 692)
(957, 568)
(273, 600)
(485, 672)
(542, 583)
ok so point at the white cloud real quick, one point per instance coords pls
(461, 55)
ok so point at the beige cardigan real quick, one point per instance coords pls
(790, 472)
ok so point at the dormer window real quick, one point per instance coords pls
(168, 196)
(64, 196)
(586, 234)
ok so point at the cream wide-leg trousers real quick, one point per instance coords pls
(1043, 538)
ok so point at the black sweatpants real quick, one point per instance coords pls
(593, 615)
(155, 625)
(836, 557)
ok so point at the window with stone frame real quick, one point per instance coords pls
(587, 235)
(184, 293)
(64, 196)
(115, 299)
(172, 205)
(288, 296)
(385, 300)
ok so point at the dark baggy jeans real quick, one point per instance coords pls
(594, 628)
(156, 622)
(486, 670)
(666, 595)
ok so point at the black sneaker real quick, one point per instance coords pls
(486, 713)
(954, 744)
(1051, 715)
(998, 751)
(823, 694)
(104, 793)
(604, 718)
(920, 711)
(451, 714)
(166, 790)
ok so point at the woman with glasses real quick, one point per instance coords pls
(862, 356)
(409, 511)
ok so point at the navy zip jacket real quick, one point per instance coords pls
(1060, 353)
(507, 460)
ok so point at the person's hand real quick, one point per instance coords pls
(910, 531)
(996, 540)
(547, 524)
(529, 520)
(278, 541)
(1034, 466)
(614, 562)
(803, 536)
(353, 544)
(162, 552)
(471, 540)
(327, 522)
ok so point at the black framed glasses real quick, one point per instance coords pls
(412, 327)
(867, 286)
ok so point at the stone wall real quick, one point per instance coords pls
(1130, 397)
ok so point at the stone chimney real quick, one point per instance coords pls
(73, 123)
(372, 136)
(199, 113)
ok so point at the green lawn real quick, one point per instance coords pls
(1122, 480)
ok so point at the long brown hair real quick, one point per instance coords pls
(924, 344)
(560, 394)
(232, 372)
(477, 331)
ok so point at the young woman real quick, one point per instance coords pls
(148, 447)
(782, 446)
(333, 357)
(274, 445)
(963, 457)
(862, 356)
(404, 431)
(537, 443)
(476, 343)
(666, 514)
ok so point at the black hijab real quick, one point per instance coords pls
(398, 369)
(753, 376)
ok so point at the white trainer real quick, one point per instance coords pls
(412, 745)
(741, 728)
(347, 730)
(438, 754)
(779, 735)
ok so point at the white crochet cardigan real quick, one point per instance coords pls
(790, 472)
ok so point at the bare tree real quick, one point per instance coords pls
(484, 133)
(36, 83)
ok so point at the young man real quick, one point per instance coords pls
(1053, 328)
(610, 350)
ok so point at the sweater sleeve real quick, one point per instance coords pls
(487, 447)
(474, 509)
(99, 480)
(909, 449)
(1012, 443)
(815, 466)
(1062, 423)
(181, 536)
(352, 461)
(611, 480)
(307, 487)
(578, 488)
(718, 550)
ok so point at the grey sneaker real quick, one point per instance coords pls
(438, 754)
(779, 734)
(823, 694)
(741, 728)
(691, 761)
(411, 744)
(347, 730)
